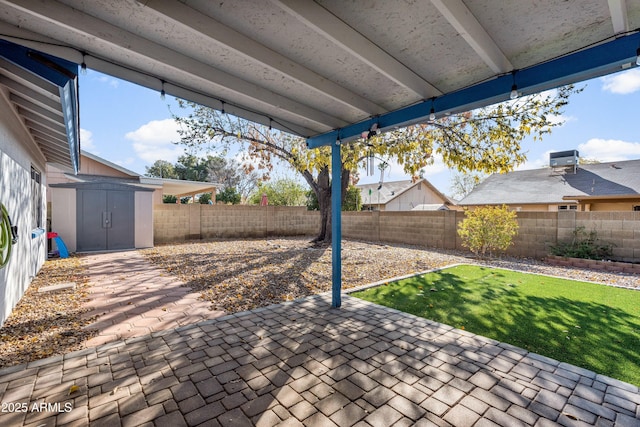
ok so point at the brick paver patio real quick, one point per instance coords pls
(303, 363)
(132, 298)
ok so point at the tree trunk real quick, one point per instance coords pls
(323, 192)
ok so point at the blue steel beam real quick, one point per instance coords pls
(336, 225)
(592, 62)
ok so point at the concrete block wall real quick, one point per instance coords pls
(291, 221)
(415, 228)
(178, 223)
(170, 223)
(621, 229)
(537, 230)
(361, 225)
(219, 221)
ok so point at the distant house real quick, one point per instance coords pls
(611, 186)
(107, 207)
(403, 196)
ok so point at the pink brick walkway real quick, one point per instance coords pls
(133, 298)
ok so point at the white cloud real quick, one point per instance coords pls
(154, 141)
(622, 83)
(114, 83)
(541, 162)
(125, 162)
(86, 140)
(437, 167)
(609, 150)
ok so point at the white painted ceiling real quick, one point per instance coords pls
(309, 67)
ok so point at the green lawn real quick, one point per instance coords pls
(593, 326)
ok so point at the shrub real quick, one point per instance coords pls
(583, 245)
(488, 229)
(229, 196)
(169, 199)
(204, 198)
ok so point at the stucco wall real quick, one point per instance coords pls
(63, 217)
(143, 219)
(17, 155)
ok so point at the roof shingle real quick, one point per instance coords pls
(546, 186)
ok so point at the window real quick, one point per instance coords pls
(36, 198)
(636, 208)
(568, 207)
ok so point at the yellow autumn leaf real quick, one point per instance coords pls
(74, 388)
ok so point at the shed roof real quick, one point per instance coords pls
(546, 186)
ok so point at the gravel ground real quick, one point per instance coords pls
(238, 275)
(235, 276)
(47, 324)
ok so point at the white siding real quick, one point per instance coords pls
(17, 155)
(418, 195)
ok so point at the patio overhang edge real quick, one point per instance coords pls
(63, 74)
(595, 61)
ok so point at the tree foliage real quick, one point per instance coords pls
(464, 183)
(487, 140)
(488, 229)
(169, 198)
(281, 192)
(205, 198)
(229, 196)
(227, 174)
(161, 169)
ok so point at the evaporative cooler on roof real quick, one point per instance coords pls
(562, 159)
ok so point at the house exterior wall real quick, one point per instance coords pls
(55, 175)
(63, 217)
(525, 207)
(17, 155)
(91, 167)
(143, 219)
(419, 194)
(626, 206)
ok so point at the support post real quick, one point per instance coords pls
(336, 224)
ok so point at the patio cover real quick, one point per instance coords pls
(328, 70)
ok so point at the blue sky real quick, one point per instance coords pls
(132, 126)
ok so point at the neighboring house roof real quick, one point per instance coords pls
(175, 187)
(390, 190)
(546, 186)
(431, 207)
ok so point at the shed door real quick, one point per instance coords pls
(105, 220)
